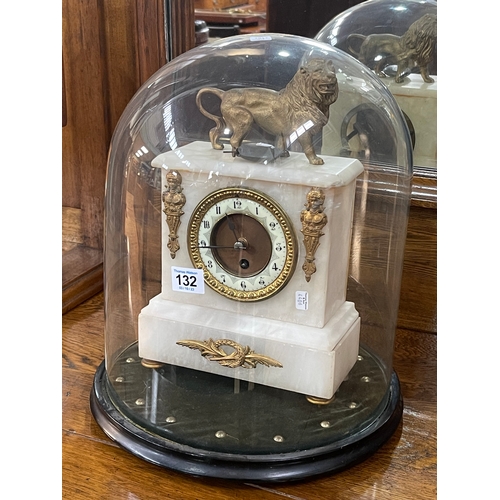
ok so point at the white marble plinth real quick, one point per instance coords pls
(314, 361)
(418, 100)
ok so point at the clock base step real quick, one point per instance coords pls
(211, 426)
(304, 359)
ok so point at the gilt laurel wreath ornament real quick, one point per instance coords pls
(240, 357)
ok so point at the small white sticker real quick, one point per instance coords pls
(185, 279)
(257, 38)
(301, 300)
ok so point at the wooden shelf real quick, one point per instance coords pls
(218, 17)
(248, 22)
(82, 267)
(424, 188)
(82, 276)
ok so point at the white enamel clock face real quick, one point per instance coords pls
(244, 242)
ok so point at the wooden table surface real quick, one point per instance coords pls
(94, 467)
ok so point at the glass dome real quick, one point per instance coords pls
(397, 40)
(254, 240)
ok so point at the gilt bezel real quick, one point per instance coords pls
(277, 212)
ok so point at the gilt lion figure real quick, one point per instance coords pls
(299, 110)
(414, 48)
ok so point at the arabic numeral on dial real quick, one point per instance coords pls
(222, 278)
(206, 224)
(275, 267)
(243, 285)
(279, 247)
(218, 210)
(273, 225)
(262, 282)
(210, 264)
(203, 243)
(237, 204)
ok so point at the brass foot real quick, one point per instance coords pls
(149, 363)
(319, 401)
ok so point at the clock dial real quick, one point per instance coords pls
(244, 242)
(253, 245)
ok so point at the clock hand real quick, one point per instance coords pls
(231, 226)
(240, 241)
(238, 245)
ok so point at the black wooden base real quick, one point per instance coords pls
(279, 467)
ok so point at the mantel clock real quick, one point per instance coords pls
(252, 267)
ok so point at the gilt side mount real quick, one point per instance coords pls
(173, 201)
(313, 221)
(297, 112)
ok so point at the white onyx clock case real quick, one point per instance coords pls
(244, 233)
(252, 272)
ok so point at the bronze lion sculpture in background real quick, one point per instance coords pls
(299, 110)
(414, 48)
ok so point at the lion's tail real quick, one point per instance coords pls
(219, 121)
(352, 46)
(220, 124)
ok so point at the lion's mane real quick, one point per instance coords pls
(419, 40)
(301, 92)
